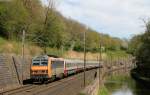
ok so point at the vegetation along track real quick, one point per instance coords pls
(46, 88)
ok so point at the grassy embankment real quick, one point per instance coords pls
(120, 78)
(16, 47)
(30, 49)
(115, 55)
(103, 91)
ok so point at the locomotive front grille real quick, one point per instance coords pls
(39, 74)
(42, 76)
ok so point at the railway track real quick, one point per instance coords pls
(58, 86)
(17, 90)
(45, 89)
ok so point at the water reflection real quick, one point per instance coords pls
(123, 84)
(123, 92)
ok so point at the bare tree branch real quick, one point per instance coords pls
(146, 25)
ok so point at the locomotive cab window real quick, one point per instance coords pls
(44, 62)
(40, 62)
(36, 64)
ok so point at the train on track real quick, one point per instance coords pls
(46, 67)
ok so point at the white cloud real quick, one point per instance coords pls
(118, 18)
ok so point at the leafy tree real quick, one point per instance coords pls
(15, 18)
(48, 28)
(3, 14)
(134, 44)
(142, 53)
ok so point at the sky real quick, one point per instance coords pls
(118, 18)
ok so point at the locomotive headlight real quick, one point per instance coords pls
(39, 71)
(34, 72)
(44, 71)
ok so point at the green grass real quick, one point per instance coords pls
(114, 55)
(119, 77)
(30, 49)
(10, 46)
(103, 91)
(81, 94)
(55, 51)
(16, 47)
(2, 41)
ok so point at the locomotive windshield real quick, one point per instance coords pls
(39, 62)
(44, 62)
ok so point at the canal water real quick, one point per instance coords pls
(123, 84)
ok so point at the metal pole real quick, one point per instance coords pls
(111, 61)
(85, 55)
(100, 57)
(23, 45)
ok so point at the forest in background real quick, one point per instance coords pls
(46, 27)
(139, 46)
